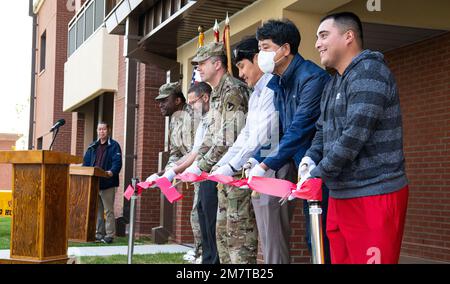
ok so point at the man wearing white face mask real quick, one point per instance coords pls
(237, 233)
(297, 100)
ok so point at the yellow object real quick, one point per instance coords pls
(5, 203)
(201, 37)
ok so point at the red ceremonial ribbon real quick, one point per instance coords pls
(163, 183)
(311, 189)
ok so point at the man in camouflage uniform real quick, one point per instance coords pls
(172, 103)
(229, 103)
(181, 136)
(198, 98)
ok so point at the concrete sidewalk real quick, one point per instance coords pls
(121, 250)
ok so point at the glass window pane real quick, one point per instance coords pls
(89, 21)
(80, 30)
(43, 50)
(99, 13)
(72, 41)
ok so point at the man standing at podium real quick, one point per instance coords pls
(105, 153)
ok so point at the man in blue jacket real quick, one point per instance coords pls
(297, 100)
(105, 153)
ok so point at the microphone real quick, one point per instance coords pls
(58, 124)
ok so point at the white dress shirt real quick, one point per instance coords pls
(255, 134)
(200, 133)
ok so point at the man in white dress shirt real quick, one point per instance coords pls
(236, 230)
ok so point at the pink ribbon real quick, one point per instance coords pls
(163, 183)
(311, 189)
(190, 177)
(270, 186)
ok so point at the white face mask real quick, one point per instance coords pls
(266, 61)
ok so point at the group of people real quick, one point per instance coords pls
(288, 118)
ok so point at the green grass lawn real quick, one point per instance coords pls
(5, 224)
(159, 258)
(5, 229)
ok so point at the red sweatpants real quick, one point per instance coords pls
(367, 229)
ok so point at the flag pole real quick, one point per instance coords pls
(227, 44)
(201, 36)
(316, 233)
(134, 182)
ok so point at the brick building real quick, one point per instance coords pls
(50, 29)
(112, 71)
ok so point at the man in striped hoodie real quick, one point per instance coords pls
(357, 150)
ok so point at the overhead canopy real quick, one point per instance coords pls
(165, 25)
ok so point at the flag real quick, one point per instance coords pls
(216, 32)
(195, 76)
(226, 43)
(201, 41)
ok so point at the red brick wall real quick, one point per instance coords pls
(63, 16)
(53, 18)
(299, 249)
(422, 71)
(80, 135)
(118, 125)
(183, 207)
(150, 141)
(77, 146)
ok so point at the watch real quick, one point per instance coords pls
(233, 169)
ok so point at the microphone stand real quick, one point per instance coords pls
(53, 139)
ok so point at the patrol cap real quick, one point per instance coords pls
(207, 51)
(168, 89)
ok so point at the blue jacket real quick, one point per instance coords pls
(112, 162)
(297, 100)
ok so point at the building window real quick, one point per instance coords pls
(43, 51)
(72, 40)
(99, 13)
(89, 22)
(85, 23)
(80, 31)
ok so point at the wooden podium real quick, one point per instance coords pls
(83, 202)
(39, 230)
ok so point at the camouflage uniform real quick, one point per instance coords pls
(181, 127)
(195, 224)
(237, 234)
(226, 117)
(229, 103)
(181, 136)
(236, 231)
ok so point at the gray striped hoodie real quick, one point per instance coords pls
(358, 147)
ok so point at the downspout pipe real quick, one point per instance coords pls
(33, 76)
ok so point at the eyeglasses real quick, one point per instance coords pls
(244, 53)
(193, 102)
